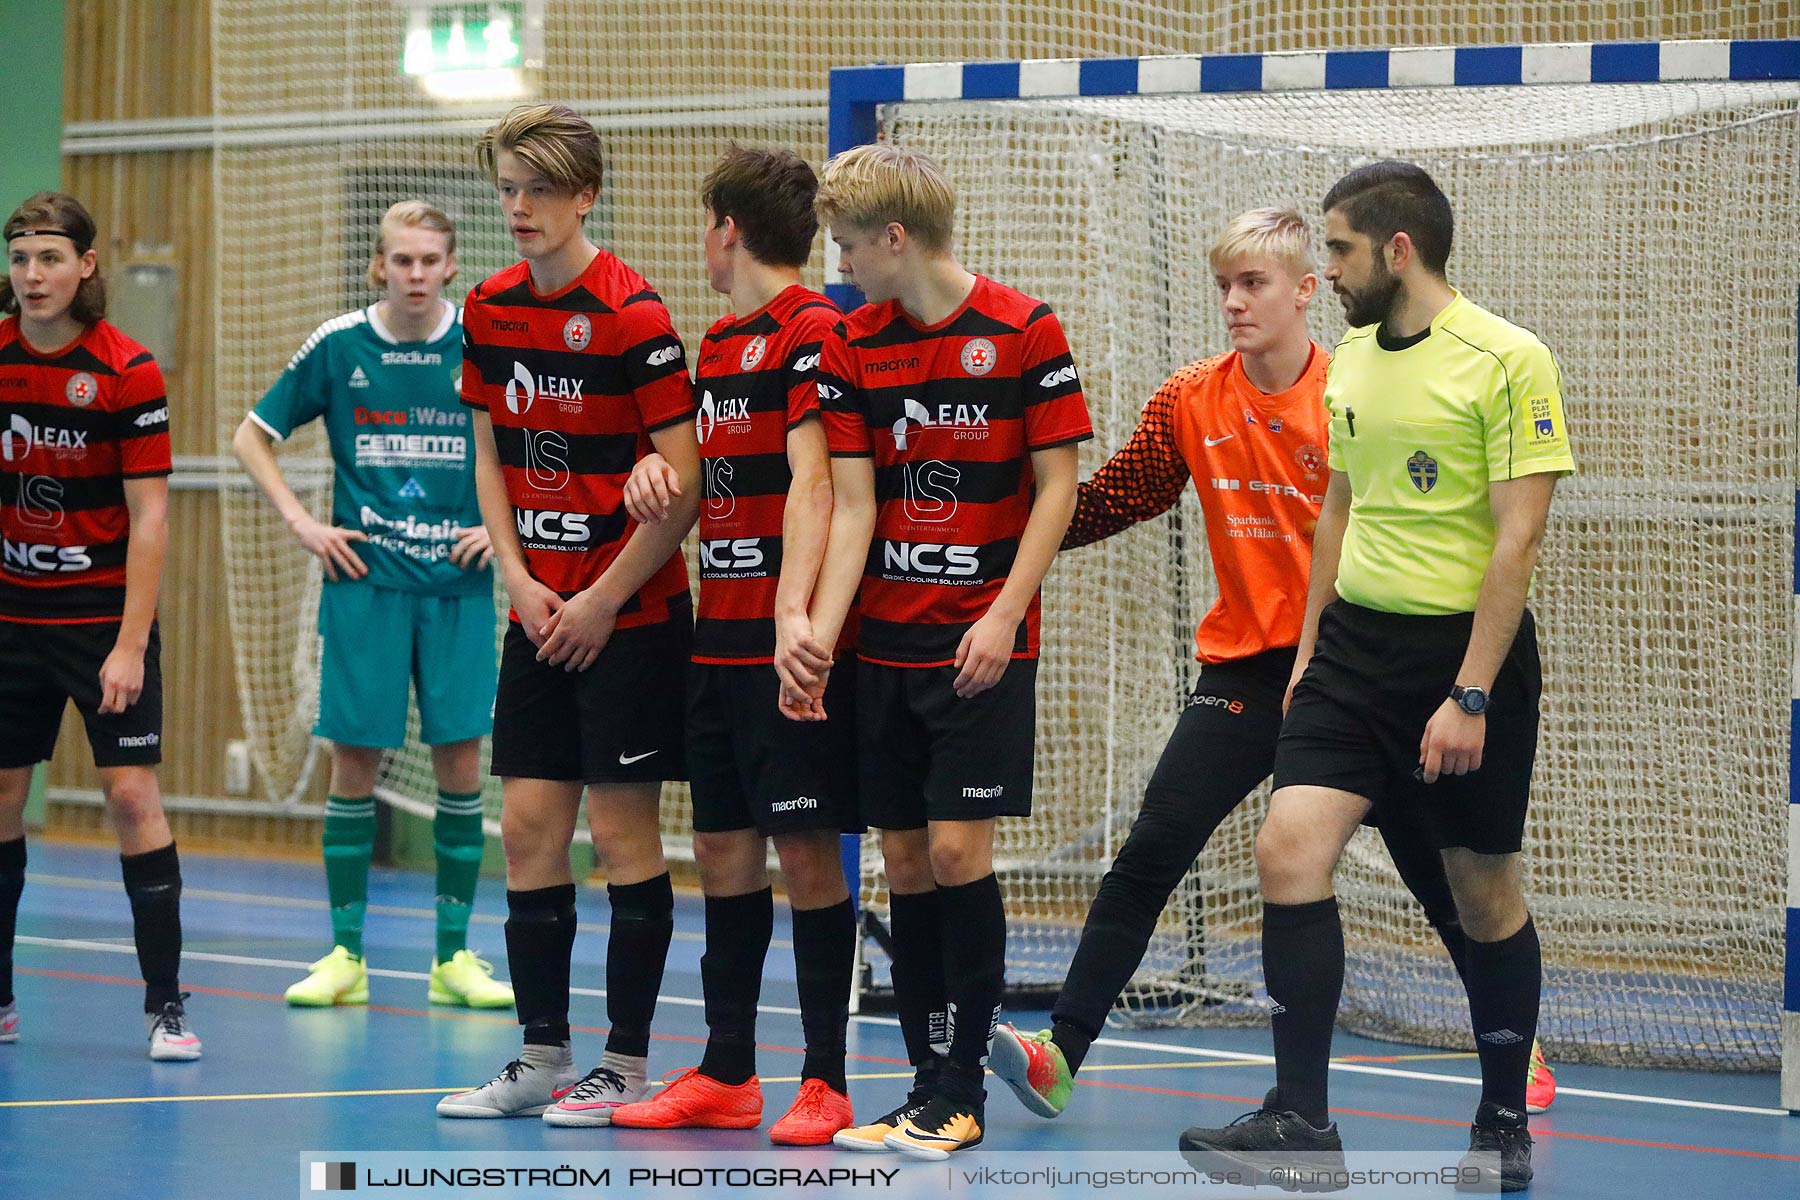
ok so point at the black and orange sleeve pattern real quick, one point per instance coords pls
(1143, 480)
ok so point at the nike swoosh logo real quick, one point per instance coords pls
(559, 1093)
(1212, 441)
(919, 1135)
(626, 762)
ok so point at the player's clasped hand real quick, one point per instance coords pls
(577, 632)
(473, 550)
(1452, 743)
(121, 679)
(331, 546)
(983, 655)
(802, 666)
(650, 489)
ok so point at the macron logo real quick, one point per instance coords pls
(667, 354)
(152, 417)
(809, 363)
(1066, 375)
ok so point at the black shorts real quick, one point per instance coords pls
(43, 667)
(924, 754)
(1358, 714)
(752, 768)
(619, 721)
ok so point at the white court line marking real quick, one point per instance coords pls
(1121, 1043)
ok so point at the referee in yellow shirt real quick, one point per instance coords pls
(1416, 685)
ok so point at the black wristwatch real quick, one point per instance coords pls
(1472, 700)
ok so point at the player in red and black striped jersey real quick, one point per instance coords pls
(957, 407)
(574, 371)
(84, 495)
(756, 775)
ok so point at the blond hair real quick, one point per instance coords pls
(551, 139)
(867, 187)
(405, 215)
(1279, 234)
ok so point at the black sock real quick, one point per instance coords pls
(1073, 1041)
(153, 882)
(643, 919)
(738, 929)
(824, 946)
(974, 967)
(1303, 965)
(1503, 984)
(12, 882)
(540, 937)
(918, 975)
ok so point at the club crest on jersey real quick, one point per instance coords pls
(1423, 470)
(753, 353)
(81, 389)
(578, 332)
(1310, 458)
(978, 356)
(1274, 424)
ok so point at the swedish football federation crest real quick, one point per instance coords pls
(1422, 468)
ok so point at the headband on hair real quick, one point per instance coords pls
(81, 247)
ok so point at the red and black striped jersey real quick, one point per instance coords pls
(951, 414)
(75, 424)
(574, 382)
(757, 378)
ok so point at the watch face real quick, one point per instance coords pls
(1473, 701)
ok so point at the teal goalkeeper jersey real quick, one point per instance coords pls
(400, 441)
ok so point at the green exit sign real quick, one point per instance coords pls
(503, 35)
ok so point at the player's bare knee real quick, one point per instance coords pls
(906, 858)
(812, 870)
(15, 787)
(1289, 862)
(457, 766)
(353, 769)
(133, 799)
(958, 861)
(731, 863)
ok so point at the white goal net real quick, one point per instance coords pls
(1651, 235)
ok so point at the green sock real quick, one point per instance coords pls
(456, 833)
(349, 844)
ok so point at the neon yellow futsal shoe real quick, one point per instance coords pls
(338, 978)
(468, 979)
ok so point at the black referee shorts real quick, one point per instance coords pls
(1359, 712)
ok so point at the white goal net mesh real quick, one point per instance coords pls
(1651, 236)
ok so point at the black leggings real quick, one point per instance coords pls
(1222, 747)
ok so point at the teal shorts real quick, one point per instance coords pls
(378, 640)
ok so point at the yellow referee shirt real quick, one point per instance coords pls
(1421, 432)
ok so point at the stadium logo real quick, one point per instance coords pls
(15, 439)
(81, 389)
(1423, 470)
(753, 353)
(978, 356)
(410, 358)
(521, 390)
(40, 501)
(578, 332)
(1311, 459)
(732, 556)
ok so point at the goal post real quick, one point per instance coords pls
(1638, 206)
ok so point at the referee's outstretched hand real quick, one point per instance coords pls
(1452, 743)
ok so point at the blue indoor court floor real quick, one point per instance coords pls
(84, 1112)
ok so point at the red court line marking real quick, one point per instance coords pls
(434, 1014)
